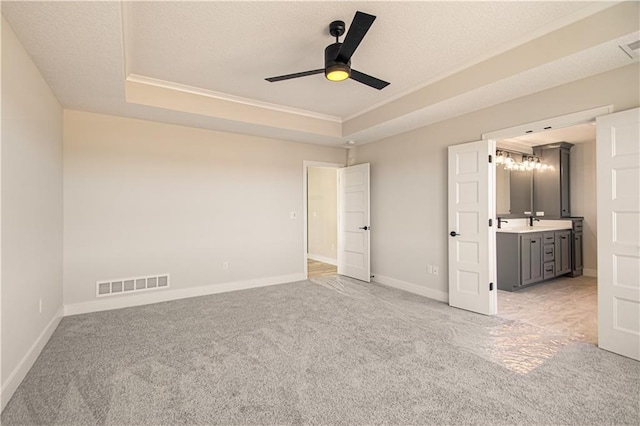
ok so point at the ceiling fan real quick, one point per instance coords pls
(337, 56)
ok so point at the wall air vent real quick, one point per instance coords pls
(131, 285)
(632, 49)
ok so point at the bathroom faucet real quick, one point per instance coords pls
(531, 219)
(501, 221)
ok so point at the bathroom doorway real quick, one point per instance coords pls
(564, 303)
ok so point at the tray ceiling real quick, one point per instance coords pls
(144, 59)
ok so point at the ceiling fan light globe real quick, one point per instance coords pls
(337, 72)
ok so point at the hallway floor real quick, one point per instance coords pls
(317, 269)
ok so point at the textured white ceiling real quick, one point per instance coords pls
(592, 61)
(229, 47)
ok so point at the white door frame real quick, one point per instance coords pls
(305, 166)
(567, 120)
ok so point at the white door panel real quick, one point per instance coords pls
(472, 245)
(618, 191)
(353, 222)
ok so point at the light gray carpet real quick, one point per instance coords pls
(332, 351)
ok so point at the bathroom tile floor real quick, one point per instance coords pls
(564, 304)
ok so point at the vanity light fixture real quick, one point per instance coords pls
(528, 163)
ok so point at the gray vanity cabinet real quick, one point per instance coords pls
(577, 264)
(520, 259)
(531, 258)
(548, 255)
(577, 253)
(508, 259)
(563, 252)
(551, 187)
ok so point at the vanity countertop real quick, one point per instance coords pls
(529, 229)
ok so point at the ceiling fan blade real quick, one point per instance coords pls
(363, 78)
(296, 75)
(358, 29)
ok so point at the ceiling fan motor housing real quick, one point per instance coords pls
(330, 62)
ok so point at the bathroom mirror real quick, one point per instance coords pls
(514, 193)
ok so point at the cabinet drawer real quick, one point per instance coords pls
(548, 252)
(548, 270)
(548, 237)
(577, 226)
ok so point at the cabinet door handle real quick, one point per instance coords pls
(533, 242)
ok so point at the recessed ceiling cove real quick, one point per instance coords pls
(230, 47)
(203, 64)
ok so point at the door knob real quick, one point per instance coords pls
(453, 233)
(364, 227)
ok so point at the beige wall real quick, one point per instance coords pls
(144, 198)
(409, 173)
(31, 176)
(583, 198)
(322, 194)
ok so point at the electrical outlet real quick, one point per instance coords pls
(436, 270)
(294, 215)
(40, 305)
(430, 269)
(225, 265)
(539, 213)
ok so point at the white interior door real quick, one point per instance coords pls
(618, 183)
(353, 222)
(472, 264)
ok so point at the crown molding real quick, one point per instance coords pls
(141, 79)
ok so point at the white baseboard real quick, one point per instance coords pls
(175, 294)
(323, 259)
(590, 272)
(18, 374)
(412, 288)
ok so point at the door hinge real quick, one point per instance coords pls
(490, 158)
(490, 286)
(490, 222)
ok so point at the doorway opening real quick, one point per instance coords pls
(553, 299)
(352, 214)
(320, 219)
(472, 200)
